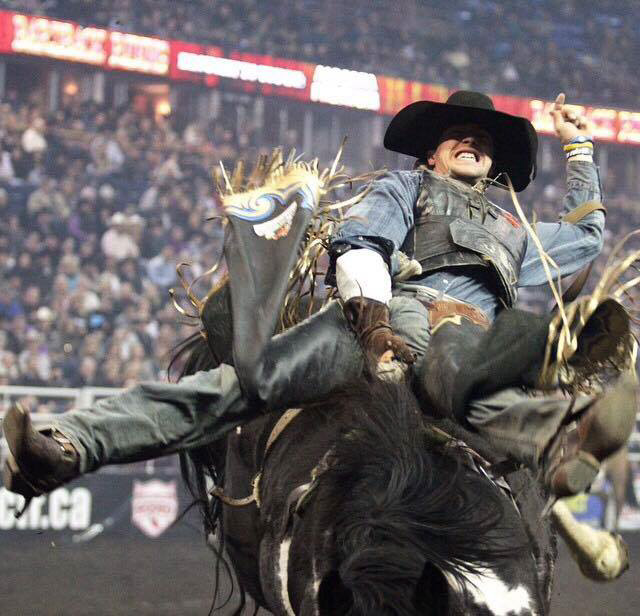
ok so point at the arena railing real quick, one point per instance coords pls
(66, 398)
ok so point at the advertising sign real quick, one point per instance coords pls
(154, 506)
(62, 40)
(130, 52)
(105, 502)
(67, 41)
(210, 65)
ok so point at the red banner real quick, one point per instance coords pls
(67, 41)
(130, 52)
(179, 60)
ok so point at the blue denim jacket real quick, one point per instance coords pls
(384, 217)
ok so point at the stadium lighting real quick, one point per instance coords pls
(163, 108)
(70, 88)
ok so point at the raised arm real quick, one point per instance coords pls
(577, 238)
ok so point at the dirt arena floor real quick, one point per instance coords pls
(167, 577)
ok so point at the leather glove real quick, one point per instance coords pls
(369, 319)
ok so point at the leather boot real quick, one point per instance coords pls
(573, 459)
(38, 462)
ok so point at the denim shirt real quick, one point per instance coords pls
(386, 214)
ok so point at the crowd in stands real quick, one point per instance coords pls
(98, 208)
(538, 46)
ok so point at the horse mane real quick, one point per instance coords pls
(405, 508)
(407, 514)
(200, 463)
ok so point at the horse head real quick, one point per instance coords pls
(417, 529)
(397, 523)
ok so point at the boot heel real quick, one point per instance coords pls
(576, 475)
(612, 426)
(14, 481)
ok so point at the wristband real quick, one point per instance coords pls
(581, 139)
(576, 146)
(581, 156)
(580, 145)
(584, 156)
(579, 152)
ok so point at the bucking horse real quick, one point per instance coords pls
(361, 503)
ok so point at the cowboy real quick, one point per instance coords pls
(472, 256)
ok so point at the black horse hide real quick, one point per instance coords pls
(396, 525)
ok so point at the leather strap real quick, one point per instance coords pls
(576, 286)
(282, 423)
(582, 211)
(574, 216)
(286, 418)
(441, 309)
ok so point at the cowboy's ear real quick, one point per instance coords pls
(431, 159)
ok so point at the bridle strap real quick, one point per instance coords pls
(286, 418)
(282, 423)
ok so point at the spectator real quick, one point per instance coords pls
(33, 140)
(7, 173)
(48, 198)
(161, 269)
(116, 241)
(69, 267)
(34, 360)
(86, 374)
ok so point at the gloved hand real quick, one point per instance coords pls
(370, 321)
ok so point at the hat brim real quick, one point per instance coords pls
(416, 130)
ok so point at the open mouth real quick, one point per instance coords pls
(467, 155)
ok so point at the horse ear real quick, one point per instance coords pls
(432, 591)
(334, 598)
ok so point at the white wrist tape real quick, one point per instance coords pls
(363, 273)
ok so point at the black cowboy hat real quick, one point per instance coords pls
(416, 129)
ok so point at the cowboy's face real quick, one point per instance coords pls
(465, 152)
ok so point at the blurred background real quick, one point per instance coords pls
(114, 116)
